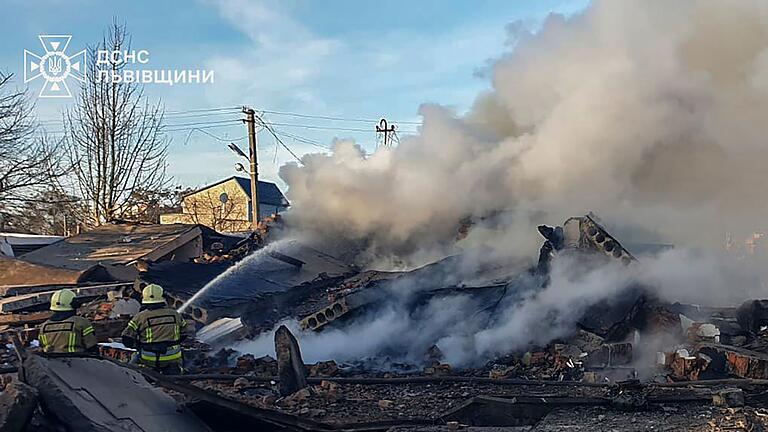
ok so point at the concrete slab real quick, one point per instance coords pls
(90, 394)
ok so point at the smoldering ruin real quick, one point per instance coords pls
(582, 250)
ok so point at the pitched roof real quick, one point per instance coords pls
(269, 193)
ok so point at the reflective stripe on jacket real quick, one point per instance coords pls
(156, 329)
(71, 335)
(172, 354)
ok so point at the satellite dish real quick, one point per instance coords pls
(224, 198)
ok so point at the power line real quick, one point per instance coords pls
(302, 139)
(201, 127)
(195, 115)
(348, 119)
(186, 140)
(268, 127)
(219, 138)
(176, 128)
(202, 123)
(203, 110)
(305, 126)
(174, 114)
(199, 112)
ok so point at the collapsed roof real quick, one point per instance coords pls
(118, 244)
(17, 272)
(107, 253)
(268, 273)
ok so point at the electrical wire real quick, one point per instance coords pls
(211, 112)
(203, 110)
(268, 127)
(189, 135)
(201, 123)
(210, 118)
(196, 115)
(200, 127)
(347, 119)
(305, 126)
(175, 128)
(302, 139)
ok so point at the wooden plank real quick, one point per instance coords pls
(26, 301)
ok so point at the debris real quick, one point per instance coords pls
(729, 398)
(116, 351)
(21, 319)
(584, 369)
(17, 405)
(222, 331)
(580, 233)
(297, 397)
(752, 315)
(241, 383)
(245, 363)
(27, 301)
(703, 332)
(741, 362)
(615, 354)
(87, 394)
(290, 366)
(324, 369)
(125, 307)
(686, 366)
(587, 341)
(433, 356)
(441, 369)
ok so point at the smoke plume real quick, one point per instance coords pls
(650, 113)
(470, 333)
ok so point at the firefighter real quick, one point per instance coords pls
(157, 332)
(66, 332)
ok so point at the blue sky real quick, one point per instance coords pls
(340, 58)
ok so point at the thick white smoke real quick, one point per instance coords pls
(470, 333)
(650, 113)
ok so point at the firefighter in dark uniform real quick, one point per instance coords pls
(66, 332)
(157, 332)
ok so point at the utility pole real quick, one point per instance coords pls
(382, 128)
(250, 122)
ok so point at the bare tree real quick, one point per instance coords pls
(114, 136)
(222, 215)
(48, 212)
(147, 205)
(28, 163)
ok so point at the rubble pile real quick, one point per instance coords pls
(634, 362)
(610, 348)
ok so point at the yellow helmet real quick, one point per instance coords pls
(152, 294)
(61, 300)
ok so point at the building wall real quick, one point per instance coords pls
(205, 207)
